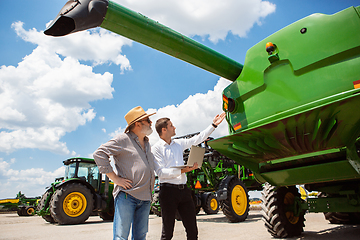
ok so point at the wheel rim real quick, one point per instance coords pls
(213, 204)
(289, 200)
(239, 200)
(74, 204)
(30, 211)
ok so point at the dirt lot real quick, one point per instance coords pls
(210, 227)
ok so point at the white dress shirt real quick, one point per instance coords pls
(169, 155)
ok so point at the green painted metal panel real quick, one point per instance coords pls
(326, 172)
(302, 103)
(139, 28)
(324, 127)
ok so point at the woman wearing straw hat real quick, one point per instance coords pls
(134, 176)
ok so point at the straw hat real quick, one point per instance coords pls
(134, 115)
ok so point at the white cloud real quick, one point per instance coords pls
(44, 97)
(97, 45)
(102, 118)
(118, 131)
(193, 115)
(31, 182)
(206, 18)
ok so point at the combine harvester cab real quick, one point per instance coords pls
(292, 110)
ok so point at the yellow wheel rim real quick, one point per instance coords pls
(74, 204)
(30, 211)
(289, 200)
(213, 204)
(239, 200)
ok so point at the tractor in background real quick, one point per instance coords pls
(23, 205)
(82, 192)
(219, 184)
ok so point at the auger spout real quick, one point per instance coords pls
(79, 15)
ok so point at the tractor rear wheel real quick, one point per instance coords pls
(71, 204)
(210, 203)
(281, 211)
(236, 205)
(43, 206)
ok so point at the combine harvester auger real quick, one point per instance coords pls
(292, 109)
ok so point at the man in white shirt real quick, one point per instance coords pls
(174, 194)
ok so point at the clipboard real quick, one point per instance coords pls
(196, 155)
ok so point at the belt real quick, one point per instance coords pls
(179, 186)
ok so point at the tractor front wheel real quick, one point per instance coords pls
(236, 205)
(210, 203)
(281, 211)
(109, 215)
(71, 204)
(29, 210)
(21, 211)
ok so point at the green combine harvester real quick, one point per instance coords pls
(292, 109)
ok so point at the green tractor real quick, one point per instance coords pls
(82, 192)
(220, 183)
(292, 109)
(23, 205)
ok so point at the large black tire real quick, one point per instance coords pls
(42, 206)
(109, 215)
(342, 217)
(21, 211)
(236, 205)
(279, 220)
(209, 203)
(71, 204)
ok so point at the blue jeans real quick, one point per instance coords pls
(130, 211)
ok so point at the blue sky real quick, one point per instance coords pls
(63, 97)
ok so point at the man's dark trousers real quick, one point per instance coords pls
(177, 197)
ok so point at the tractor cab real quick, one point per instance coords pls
(84, 169)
